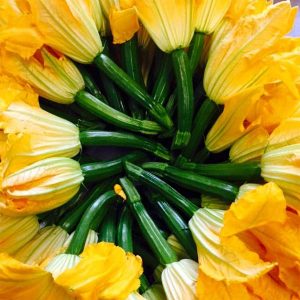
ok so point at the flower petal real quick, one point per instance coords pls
(254, 209)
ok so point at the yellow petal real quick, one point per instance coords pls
(19, 281)
(16, 232)
(39, 187)
(51, 75)
(69, 27)
(124, 24)
(282, 167)
(250, 147)
(290, 277)
(209, 14)
(281, 241)
(12, 91)
(232, 123)
(170, 23)
(104, 272)
(211, 289)
(242, 60)
(287, 133)
(227, 258)
(18, 31)
(254, 209)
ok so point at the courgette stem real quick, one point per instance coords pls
(185, 97)
(112, 116)
(130, 61)
(132, 88)
(90, 84)
(97, 209)
(128, 140)
(175, 223)
(226, 171)
(162, 86)
(124, 234)
(195, 50)
(151, 233)
(71, 219)
(204, 117)
(135, 172)
(108, 228)
(97, 171)
(195, 182)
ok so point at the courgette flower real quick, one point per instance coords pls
(122, 18)
(102, 271)
(242, 60)
(69, 27)
(249, 230)
(51, 74)
(34, 134)
(209, 13)
(170, 23)
(16, 232)
(39, 187)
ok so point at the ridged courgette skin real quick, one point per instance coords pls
(132, 88)
(151, 233)
(136, 173)
(195, 182)
(120, 139)
(115, 117)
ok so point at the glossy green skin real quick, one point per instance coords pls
(127, 140)
(151, 233)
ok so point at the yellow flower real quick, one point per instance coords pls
(241, 60)
(51, 74)
(224, 259)
(42, 246)
(250, 147)
(39, 187)
(275, 230)
(282, 167)
(12, 91)
(122, 18)
(18, 32)
(170, 23)
(179, 279)
(103, 271)
(34, 134)
(209, 14)
(177, 247)
(69, 27)
(16, 232)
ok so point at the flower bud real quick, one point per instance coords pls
(39, 187)
(179, 280)
(16, 232)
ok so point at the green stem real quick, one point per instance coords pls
(185, 97)
(162, 86)
(128, 140)
(195, 182)
(138, 174)
(71, 219)
(130, 60)
(201, 156)
(175, 223)
(151, 233)
(132, 88)
(97, 171)
(227, 171)
(195, 50)
(97, 209)
(124, 235)
(110, 115)
(108, 229)
(205, 115)
(90, 84)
